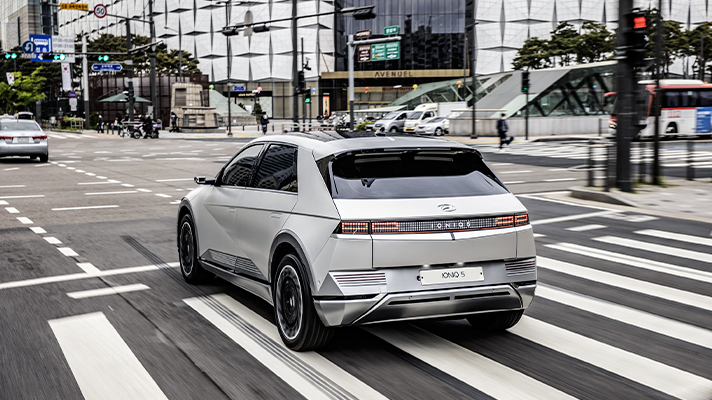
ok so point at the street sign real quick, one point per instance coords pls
(28, 47)
(72, 95)
(74, 6)
(391, 30)
(10, 78)
(46, 47)
(73, 104)
(100, 11)
(363, 34)
(106, 67)
(238, 88)
(364, 53)
(385, 51)
(43, 43)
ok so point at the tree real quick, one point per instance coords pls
(699, 42)
(675, 41)
(563, 43)
(167, 63)
(596, 43)
(23, 94)
(534, 54)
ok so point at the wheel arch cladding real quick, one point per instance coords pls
(282, 245)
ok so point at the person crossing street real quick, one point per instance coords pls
(502, 130)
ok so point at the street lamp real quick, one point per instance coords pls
(180, 50)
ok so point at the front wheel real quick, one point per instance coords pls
(438, 132)
(137, 135)
(297, 321)
(393, 130)
(495, 321)
(188, 252)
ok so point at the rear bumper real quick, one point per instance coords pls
(426, 304)
(29, 149)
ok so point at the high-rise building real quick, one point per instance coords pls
(21, 18)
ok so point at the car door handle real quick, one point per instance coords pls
(276, 215)
(231, 210)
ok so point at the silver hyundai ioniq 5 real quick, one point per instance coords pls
(337, 231)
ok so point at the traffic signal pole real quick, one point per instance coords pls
(129, 65)
(152, 55)
(655, 173)
(85, 81)
(625, 80)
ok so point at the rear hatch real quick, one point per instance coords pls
(426, 206)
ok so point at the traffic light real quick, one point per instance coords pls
(301, 83)
(59, 57)
(636, 37)
(10, 56)
(525, 81)
(103, 58)
(307, 96)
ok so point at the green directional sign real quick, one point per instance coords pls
(390, 30)
(385, 51)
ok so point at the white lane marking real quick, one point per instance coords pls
(89, 174)
(181, 159)
(107, 291)
(82, 275)
(79, 170)
(61, 165)
(571, 217)
(558, 169)
(657, 248)
(11, 186)
(676, 236)
(568, 203)
(163, 195)
(29, 196)
(516, 172)
(144, 190)
(67, 251)
(3, 203)
(584, 228)
(645, 371)
(102, 152)
(171, 180)
(629, 284)
(560, 179)
(538, 235)
(12, 210)
(98, 183)
(70, 168)
(127, 185)
(641, 319)
(52, 240)
(100, 177)
(651, 265)
(37, 229)
(493, 164)
(102, 363)
(89, 268)
(632, 218)
(11, 169)
(513, 182)
(266, 346)
(175, 202)
(25, 220)
(83, 208)
(471, 368)
(121, 192)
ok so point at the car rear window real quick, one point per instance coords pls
(19, 126)
(412, 174)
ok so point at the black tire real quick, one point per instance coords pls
(438, 132)
(495, 321)
(33, 157)
(393, 130)
(137, 135)
(297, 321)
(44, 158)
(190, 267)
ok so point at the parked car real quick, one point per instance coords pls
(434, 126)
(23, 138)
(24, 115)
(416, 118)
(318, 226)
(427, 111)
(391, 122)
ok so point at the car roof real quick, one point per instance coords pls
(325, 143)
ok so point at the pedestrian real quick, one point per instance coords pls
(100, 125)
(174, 121)
(115, 126)
(264, 121)
(502, 129)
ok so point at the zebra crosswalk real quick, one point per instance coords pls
(79, 136)
(606, 348)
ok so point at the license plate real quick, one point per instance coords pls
(451, 275)
(23, 140)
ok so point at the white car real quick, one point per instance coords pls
(23, 138)
(434, 126)
(337, 232)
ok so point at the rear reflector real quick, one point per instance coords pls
(433, 226)
(520, 267)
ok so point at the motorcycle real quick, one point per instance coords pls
(140, 132)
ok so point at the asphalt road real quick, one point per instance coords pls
(92, 304)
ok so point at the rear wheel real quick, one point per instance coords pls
(495, 321)
(297, 321)
(188, 252)
(393, 130)
(44, 158)
(33, 157)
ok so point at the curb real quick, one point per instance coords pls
(601, 197)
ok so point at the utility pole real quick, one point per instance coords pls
(304, 106)
(229, 69)
(85, 81)
(295, 84)
(351, 81)
(152, 55)
(655, 173)
(473, 70)
(129, 67)
(464, 70)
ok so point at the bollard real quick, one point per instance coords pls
(641, 162)
(591, 164)
(272, 128)
(610, 167)
(690, 168)
(243, 127)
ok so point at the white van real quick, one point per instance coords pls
(422, 113)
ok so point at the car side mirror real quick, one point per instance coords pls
(200, 180)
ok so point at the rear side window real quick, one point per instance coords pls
(239, 171)
(412, 174)
(278, 169)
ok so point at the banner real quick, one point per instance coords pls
(10, 78)
(66, 77)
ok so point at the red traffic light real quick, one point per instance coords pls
(640, 23)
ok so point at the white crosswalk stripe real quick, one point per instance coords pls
(657, 248)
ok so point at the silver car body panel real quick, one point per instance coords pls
(367, 278)
(14, 147)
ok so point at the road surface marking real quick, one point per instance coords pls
(127, 185)
(560, 179)
(102, 363)
(631, 366)
(571, 217)
(171, 180)
(144, 190)
(52, 240)
(641, 319)
(70, 168)
(82, 208)
(98, 183)
(676, 236)
(107, 291)
(175, 202)
(29, 196)
(3, 202)
(309, 373)
(538, 235)
(100, 193)
(25, 220)
(516, 172)
(163, 195)
(11, 169)
(651, 265)
(12, 210)
(11, 186)
(584, 228)
(100, 177)
(180, 159)
(37, 229)
(657, 248)
(471, 368)
(513, 182)
(67, 251)
(629, 284)
(82, 275)
(61, 165)
(89, 174)
(89, 268)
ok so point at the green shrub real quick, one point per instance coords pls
(362, 125)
